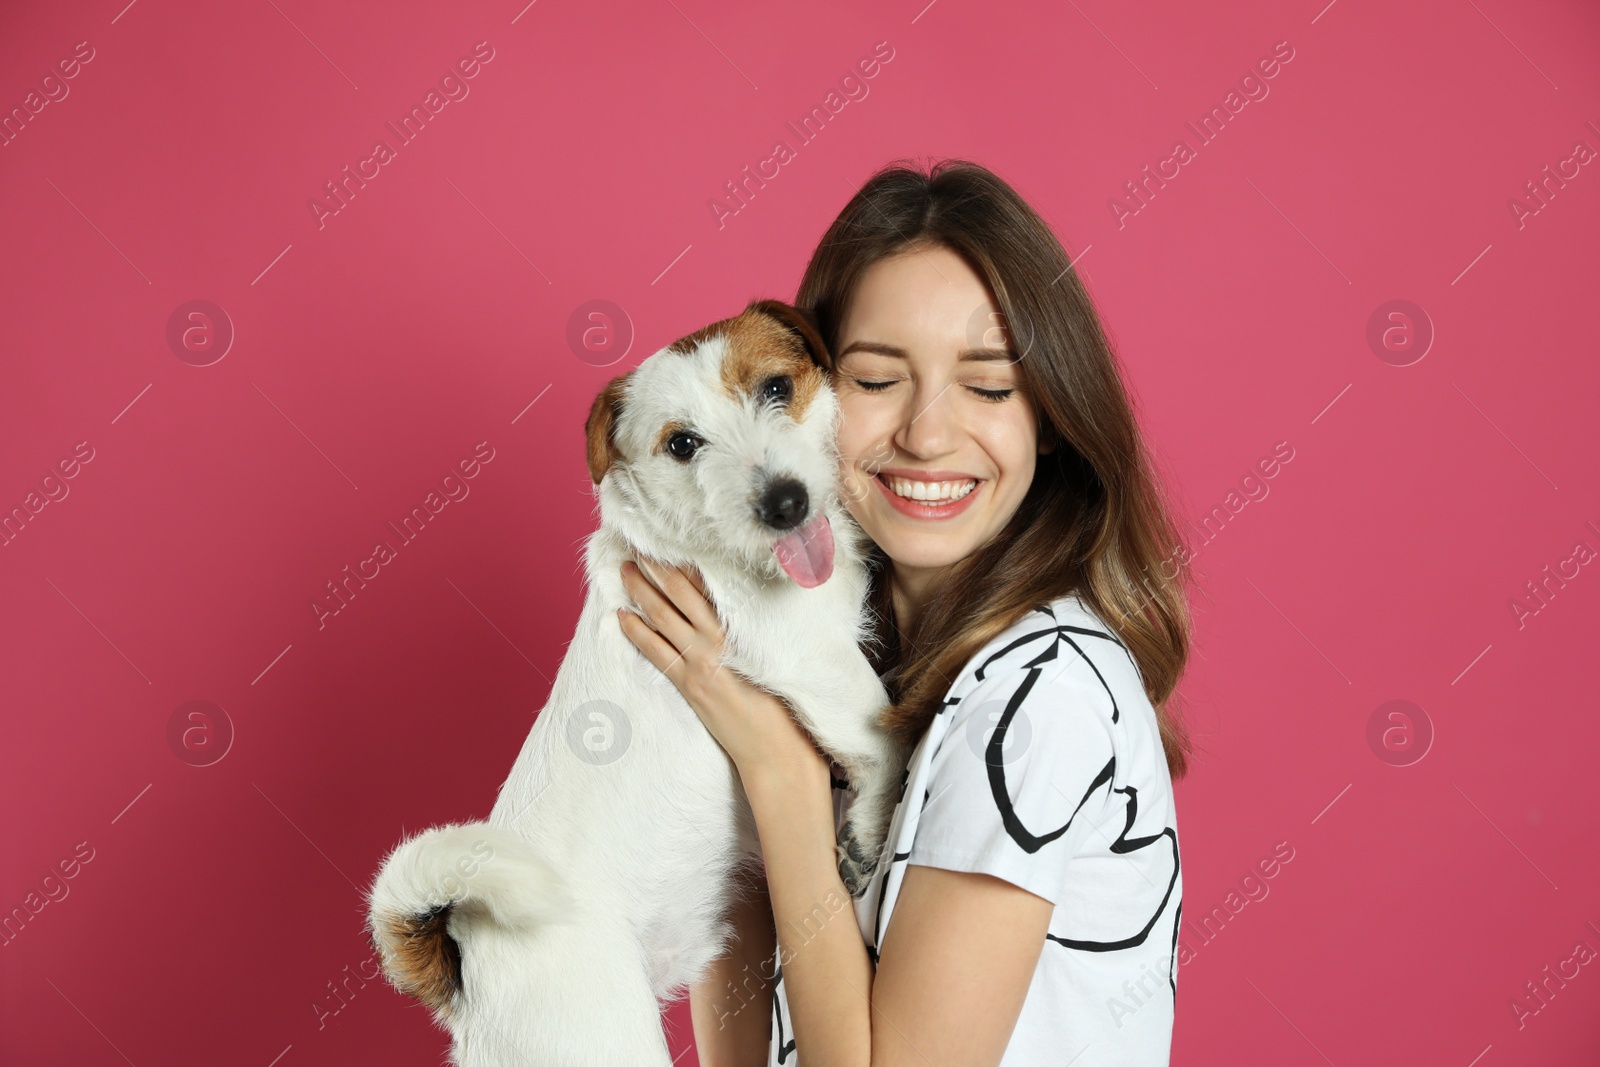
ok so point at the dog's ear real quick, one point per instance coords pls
(801, 321)
(601, 427)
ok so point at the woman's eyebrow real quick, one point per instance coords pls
(874, 346)
(997, 355)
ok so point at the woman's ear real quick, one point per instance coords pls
(1047, 438)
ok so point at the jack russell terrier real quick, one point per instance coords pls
(601, 881)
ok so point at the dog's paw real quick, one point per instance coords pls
(856, 863)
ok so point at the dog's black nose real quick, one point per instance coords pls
(783, 505)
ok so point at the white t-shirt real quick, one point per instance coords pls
(1071, 801)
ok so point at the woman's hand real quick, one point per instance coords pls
(679, 632)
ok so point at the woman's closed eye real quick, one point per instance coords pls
(995, 395)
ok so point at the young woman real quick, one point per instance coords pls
(1028, 587)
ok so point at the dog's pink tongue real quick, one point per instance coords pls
(807, 554)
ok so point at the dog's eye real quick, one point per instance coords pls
(684, 445)
(779, 388)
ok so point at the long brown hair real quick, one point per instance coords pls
(1095, 520)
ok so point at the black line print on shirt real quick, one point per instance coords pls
(1172, 962)
(877, 918)
(1060, 631)
(1121, 846)
(784, 1048)
(1031, 842)
(1002, 795)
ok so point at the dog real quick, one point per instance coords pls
(600, 883)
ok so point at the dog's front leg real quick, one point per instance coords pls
(878, 786)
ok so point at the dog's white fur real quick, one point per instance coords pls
(600, 882)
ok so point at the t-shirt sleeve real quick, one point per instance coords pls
(1021, 780)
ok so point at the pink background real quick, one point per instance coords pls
(220, 903)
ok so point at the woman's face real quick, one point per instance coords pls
(937, 439)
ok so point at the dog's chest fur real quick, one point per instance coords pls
(651, 835)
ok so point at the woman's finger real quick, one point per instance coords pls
(675, 585)
(655, 648)
(696, 579)
(660, 612)
(685, 594)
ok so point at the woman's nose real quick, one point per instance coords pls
(931, 423)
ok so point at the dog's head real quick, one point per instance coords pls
(722, 443)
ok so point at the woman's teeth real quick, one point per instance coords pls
(929, 492)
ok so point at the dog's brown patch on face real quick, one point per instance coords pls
(761, 347)
(686, 345)
(601, 428)
(420, 958)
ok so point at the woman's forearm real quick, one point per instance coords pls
(732, 1006)
(827, 975)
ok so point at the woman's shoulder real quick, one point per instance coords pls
(1059, 632)
(1062, 663)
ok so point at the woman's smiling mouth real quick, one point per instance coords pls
(929, 494)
